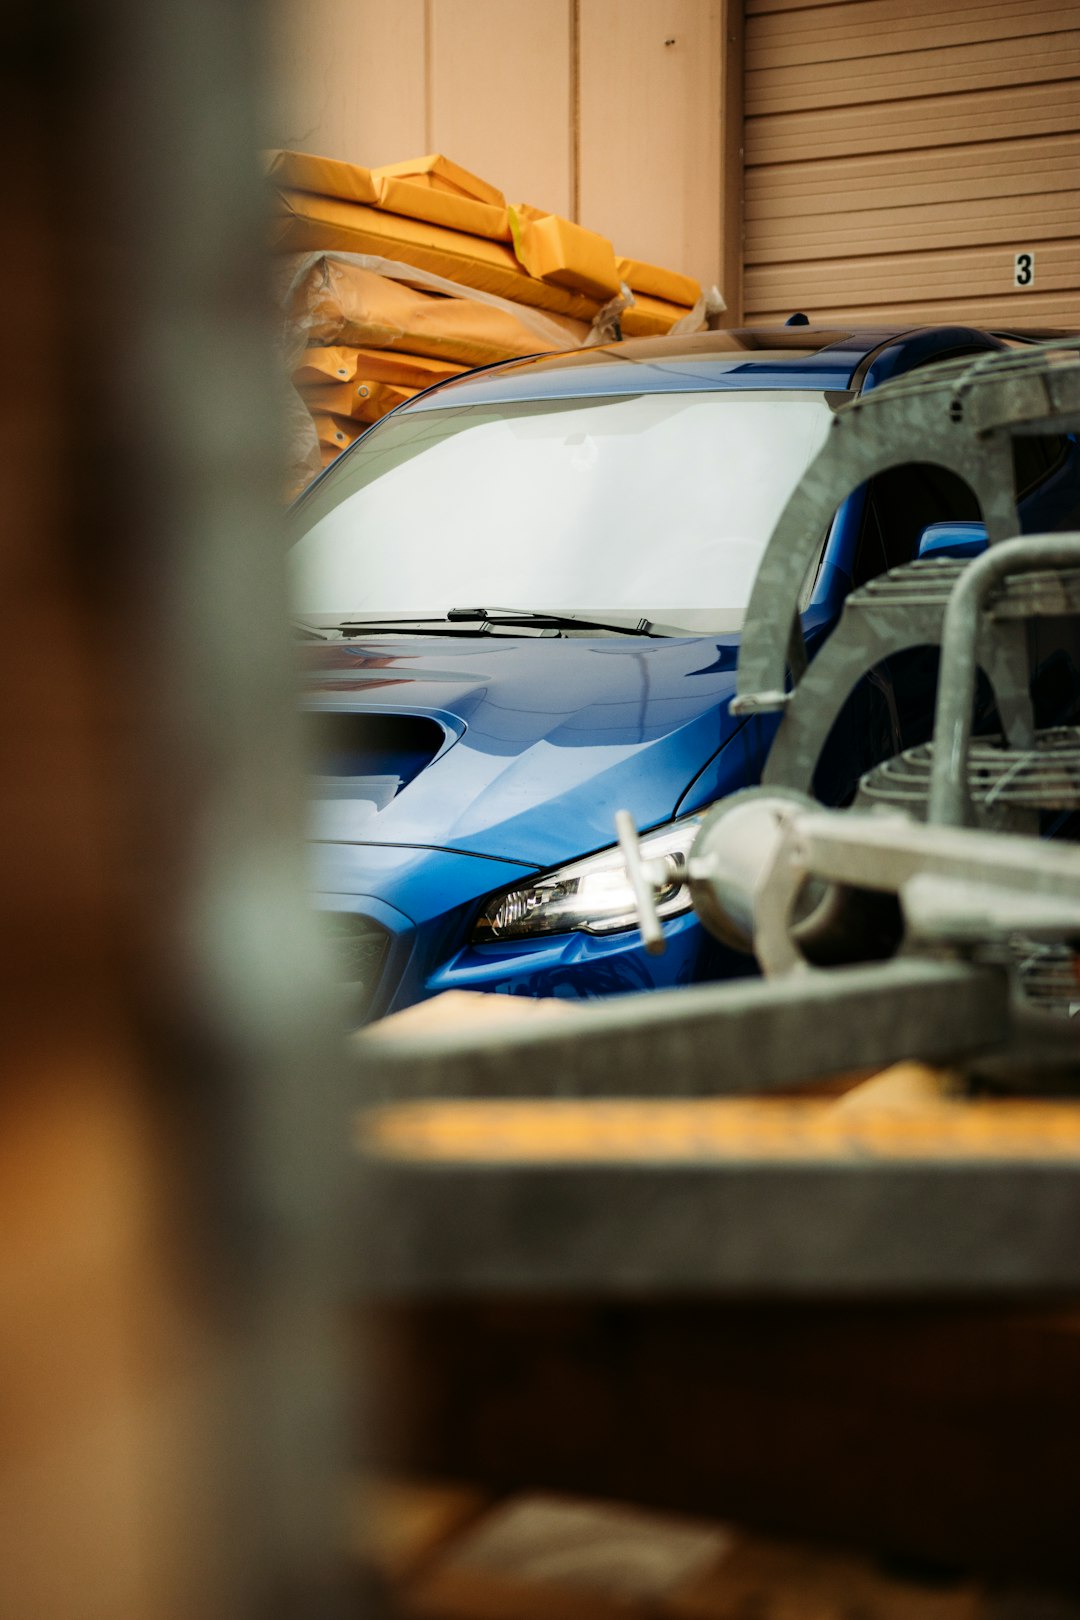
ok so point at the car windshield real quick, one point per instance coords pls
(657, 506)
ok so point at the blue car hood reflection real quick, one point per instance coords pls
(545, 738)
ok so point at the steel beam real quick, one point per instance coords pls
(964, 1202)
(751, 1036)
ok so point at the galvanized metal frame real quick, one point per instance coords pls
(960, 417)
(962, 631)
(750, 1037)
(900, 611)
(834, 1225)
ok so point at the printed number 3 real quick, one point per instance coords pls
(1024, 270)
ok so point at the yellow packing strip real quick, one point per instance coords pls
(334, 397)
(374, 399)
(322, 366)
(556, 250)
(328, 177)
(335, 432)
(406, 370)
(438, 173)
(336, 365)
(321, 224)
(363, 399)
(337, 303)
(443, 208)
(651, 317)
(658, 282)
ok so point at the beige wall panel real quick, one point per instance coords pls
(762, 8)
(1035, 310)
(349, 78)
(974, 272)
(997, 170)
(1047, 216)
(886, 27)
(911, 73)
(903, 152)
(501, 94)
(1018, 111)
(650, 129)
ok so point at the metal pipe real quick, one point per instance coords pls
(733, 850)
(948, 803)
(643, 880)
(830, 924)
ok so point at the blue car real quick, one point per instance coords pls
(520, 597)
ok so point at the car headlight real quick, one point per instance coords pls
(593, 895)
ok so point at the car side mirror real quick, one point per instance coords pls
(953, 540)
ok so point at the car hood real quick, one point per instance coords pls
(516, 747)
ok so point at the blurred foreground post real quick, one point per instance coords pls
(169, 1123)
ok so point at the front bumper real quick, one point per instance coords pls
(403, 917)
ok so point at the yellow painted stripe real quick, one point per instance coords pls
(580, 1132)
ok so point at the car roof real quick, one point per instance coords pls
(824, 358)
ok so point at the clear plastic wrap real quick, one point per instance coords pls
(362, 301)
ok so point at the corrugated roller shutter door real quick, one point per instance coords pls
(901, 154)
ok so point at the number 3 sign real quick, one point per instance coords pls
(1024, 269)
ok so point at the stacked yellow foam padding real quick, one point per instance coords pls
(372, 339)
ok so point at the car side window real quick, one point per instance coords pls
(1035, 457)
(899, 505)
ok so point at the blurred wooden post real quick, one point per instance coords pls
(169, 1124)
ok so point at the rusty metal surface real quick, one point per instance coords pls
(176, 555)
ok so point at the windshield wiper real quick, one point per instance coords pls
(414, 627)
(488, 619)
(555, 621)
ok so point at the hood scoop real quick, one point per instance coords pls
(362, 762)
